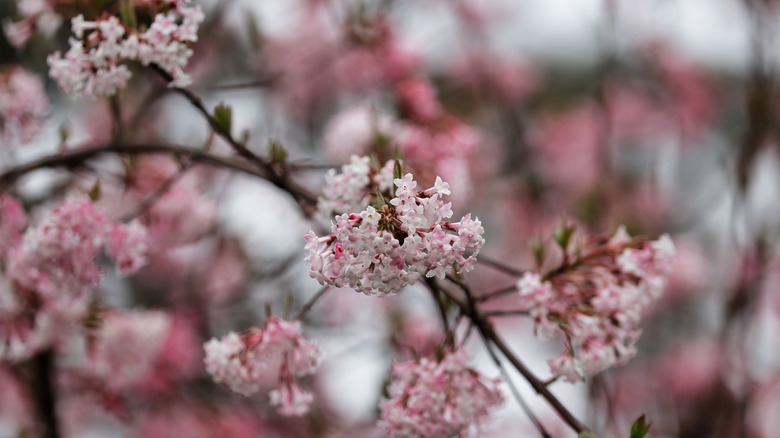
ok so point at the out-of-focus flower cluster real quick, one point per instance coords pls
(126, 346)
(92, 67)
(394, 242)
(23, 105)
(437, 399)
(596, 299)
(36, 15)
(51, 271)
(249, 361)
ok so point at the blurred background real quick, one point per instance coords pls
(661, 115)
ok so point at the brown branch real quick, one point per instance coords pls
(76, 158)
(499, 265)
(309, 304)
(276, 177)
(44, 393)
(468, 307)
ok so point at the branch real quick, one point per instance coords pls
(44, 393)
(76, 158)
(499, 265)
(468, 307)
(515, 392)
(279, 179)
(309, 304)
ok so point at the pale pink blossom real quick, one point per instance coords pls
(53, 272)
(92, 67)
(357, 130)
(23, 105)
(384, 248)
(13, 222)
(418, 100)
(245, 362)
(437, 399)
(125, 346)
(352, 188)
(445, 148)
(128, 246)
(596, 301)
(36, 15)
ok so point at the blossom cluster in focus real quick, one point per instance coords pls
(393, 243)
(596, 300)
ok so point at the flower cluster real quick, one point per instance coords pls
(126, 346)
(92, 65)
(596, 300)
(437, 399)
(52, 272)
(37, 15)
(386, 247)
(13, 222)
(248, 361)
(23, 105)
(353, 188)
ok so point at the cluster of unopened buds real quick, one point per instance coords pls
(250, 361)
(92, 67)
(402, 237)
(437, 399)
(595, 300)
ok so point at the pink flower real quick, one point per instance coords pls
(53, 273)
(127, 245)
(13, 221)
(243, 362)
(291, 399)
(126, 346)
(384, 248)
(417, 97)
(597, 301)
(23, 105)
(437, 399)
(92, 66)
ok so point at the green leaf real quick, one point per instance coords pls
(277, 152)
(94, 194)
(127, 13)
(562, 234)
(639, 429)
(397, 172)
(256, 38)
(223, 115)
(584, 435)
(537, 249)
(64, 133)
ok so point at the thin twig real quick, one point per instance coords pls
(309, 304)
(76, 158)
(486, 329)
(150, 200)
(494, 313)
(499, 265)
(276, 177)
(495, 294)
(449, 335)
(515, 391)
(260, 83)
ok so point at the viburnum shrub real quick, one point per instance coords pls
(404, 236)
(202, 207)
